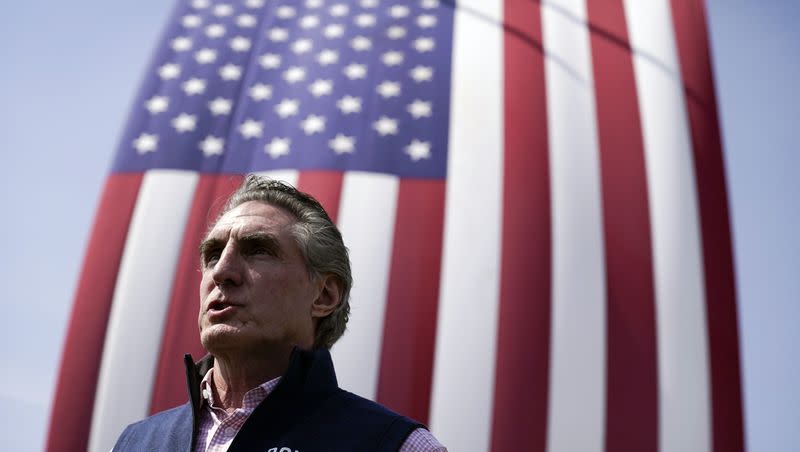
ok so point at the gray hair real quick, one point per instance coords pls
(319, 240)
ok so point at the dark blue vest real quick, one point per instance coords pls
(306, 412)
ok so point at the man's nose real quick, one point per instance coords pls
(228, 269)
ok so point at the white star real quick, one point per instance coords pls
(269, 60)
(309, 22)
(194, 86)
(321, 87)
(278, 34)
(278, 147)
(294, 74)
(312, 4)
(365, 20)
(385, 126)
(169, 71)
(301, 46)
(418, 150)
(240, 44)
(426, 21)
(287, 107)
(157, 104)
(215, 30)
(333, 31)
(419, 108)
(327, 57)
(200, 4)
(339, 10)
(220, 106)
(392, 58)
(285, 12)
(184, 122)
(313, 124)
(205, 56)
(388, 89)
(230, 72)
(246, 20)
(355, 71)
(396, 32)
(251, 128)
(145, 143)
(423, 44)
(360, 43)
(212, 145)
(260, 91)
(430, 4)
(398, 11)
(421, 73)
(223, 10)
(191, 21)
(342, 144)
(181, 44)
(369, 3)
(254, 3)
(349, 104)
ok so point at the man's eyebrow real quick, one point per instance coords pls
(209, 244)
(249, 239)
(263, 239)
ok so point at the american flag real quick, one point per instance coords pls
(532, 192)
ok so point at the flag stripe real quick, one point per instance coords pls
(140, 301)
(467, 322)
(409, 332)
(366, 220)
(180, 333)
(523, 331)
(83, 347)
(326, 186)
(578, 338)
(684, 416)
(632, 385)
(723, 336)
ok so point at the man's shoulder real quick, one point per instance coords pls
(356, 403)
(166, 417)
(173, 425)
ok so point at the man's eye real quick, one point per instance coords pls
(259, 250)
(210, 259)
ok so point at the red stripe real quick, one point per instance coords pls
(326, 186)
(409, 333)
(74, 397)
(632, 378)
(180, 334)
(523, 341)
(726, 393)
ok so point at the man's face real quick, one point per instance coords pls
(256, 291)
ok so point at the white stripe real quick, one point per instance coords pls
(140, 303)
(684, 400)
(466, 336)
(366, 219)
(576, 414)
(286, 175)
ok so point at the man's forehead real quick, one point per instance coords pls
(252, 216)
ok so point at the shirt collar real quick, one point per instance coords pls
(252, 397)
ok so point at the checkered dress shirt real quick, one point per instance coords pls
(218, 428)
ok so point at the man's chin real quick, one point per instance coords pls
(220, 337)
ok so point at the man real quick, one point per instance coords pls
(273, 299)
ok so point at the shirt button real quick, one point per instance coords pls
(230, 431)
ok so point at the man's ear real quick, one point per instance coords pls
(329, 296)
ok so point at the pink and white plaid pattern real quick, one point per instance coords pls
(218, 428)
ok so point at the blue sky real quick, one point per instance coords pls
(71, 69)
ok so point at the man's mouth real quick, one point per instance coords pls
(217, 306)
